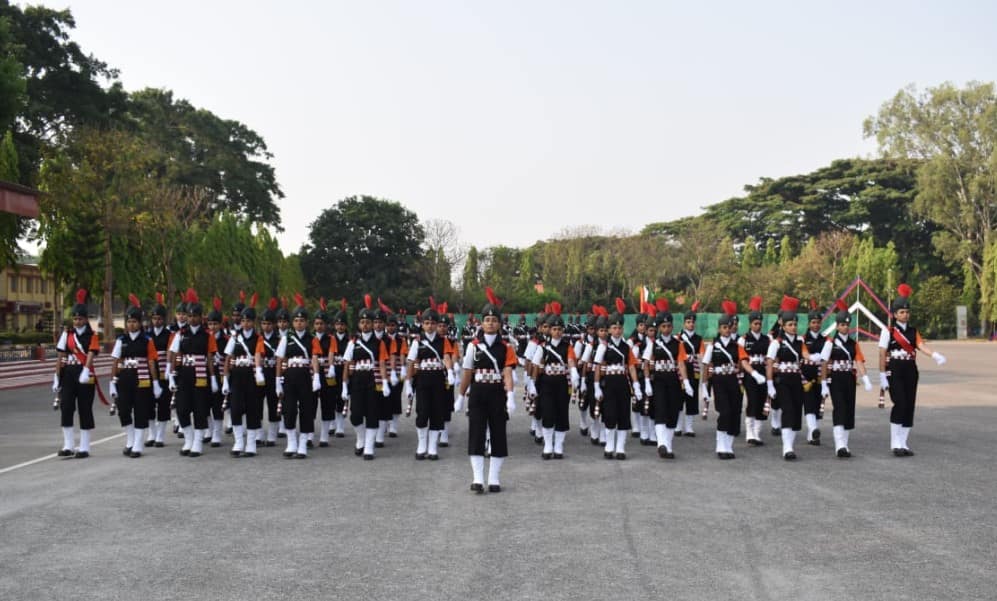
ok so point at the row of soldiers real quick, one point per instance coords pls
(295, 365)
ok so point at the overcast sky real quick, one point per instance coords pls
(518, 119)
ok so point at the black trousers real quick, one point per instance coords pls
(487, 414)
(811, 398)
(903, 391)
(299, 400)
(668, 399)
(756, 394)
(843, 398)
(727, 401)
(554, 402)
(364, 407)
(75, 397)
(269, 394)
(789, 392)
(432, 403)
(191, 399)
(161, 406)
(134, 403)
(245, 398)
(616, 402)
(538, 402)
(395, 401)
(217, 400)
(330, 399)
(587, 400)
(692, 402)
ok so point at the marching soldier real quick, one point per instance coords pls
(160, 336)
(785, 381)
(587, 338)
(217, 330)
(487, 385)
(134, 379)
(179, 322)
(693, 346)
(397, 344)
(555, 361)
(365, 355)
(328, 392)
(665, 378)
(283, 327)
(266, 371)
(337, 367)
(597, 430)
(638, 342)
(446, 329)
(841, 359)
(243, 389)
(614, 362)
(814, 342)
(297, 382)
(78, 347)
(898, 346)
(756, 346)
(429, 365)
(193, 383)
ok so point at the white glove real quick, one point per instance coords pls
(583, 387)
(866, 383)
(214, 385)
(85, 375)
(575, 378)
(758, 377)
(225, 385)
(385, 389)
(173, 383)
(407, 389)
(531, 389)
(598, 391)
(157, 390)
(458, 403)
(687, 388)
(825, 391)
(450, 378)
(637, 393)
(771, 389)
(402, 374)
(279, 387)
(704, 392)
(510, 402)
(260, 379)
(346, 391)
(939, 358)
(331, 372)
(648, 388)
(394, 378)
(317, 383)
(112, 389)
(55, 383)
(884, 382)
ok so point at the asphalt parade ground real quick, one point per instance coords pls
(334, 526)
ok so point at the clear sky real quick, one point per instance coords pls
(517, 119)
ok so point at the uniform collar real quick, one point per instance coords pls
(490, 339)
(134, 335)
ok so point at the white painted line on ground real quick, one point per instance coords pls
(40, 459)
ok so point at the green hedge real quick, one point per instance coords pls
(26, 338)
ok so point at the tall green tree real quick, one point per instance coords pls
(364, 244)
(12, 227)
(953, 131)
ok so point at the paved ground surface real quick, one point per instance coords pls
(166, 527)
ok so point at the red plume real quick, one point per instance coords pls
(192, 296)
(216, 303)
(729, 307)
(159, 298)
(695, 306)
(81, 296)
(242, 296)
(651, 310)
(299, 299)
(490, 295)
(441, 308)
(134, 300)
(601, 311)
(595, 309)
(555, 308)
(755, 304)
(813, 304)
(432, 304)
(342, 304)
(368, 301)
(383, 307)
(253, 299)
(272, 305)
(621, 306)
(840, 305)
(661, 305)
(789, 303)
(904, 290)
(321, 303)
